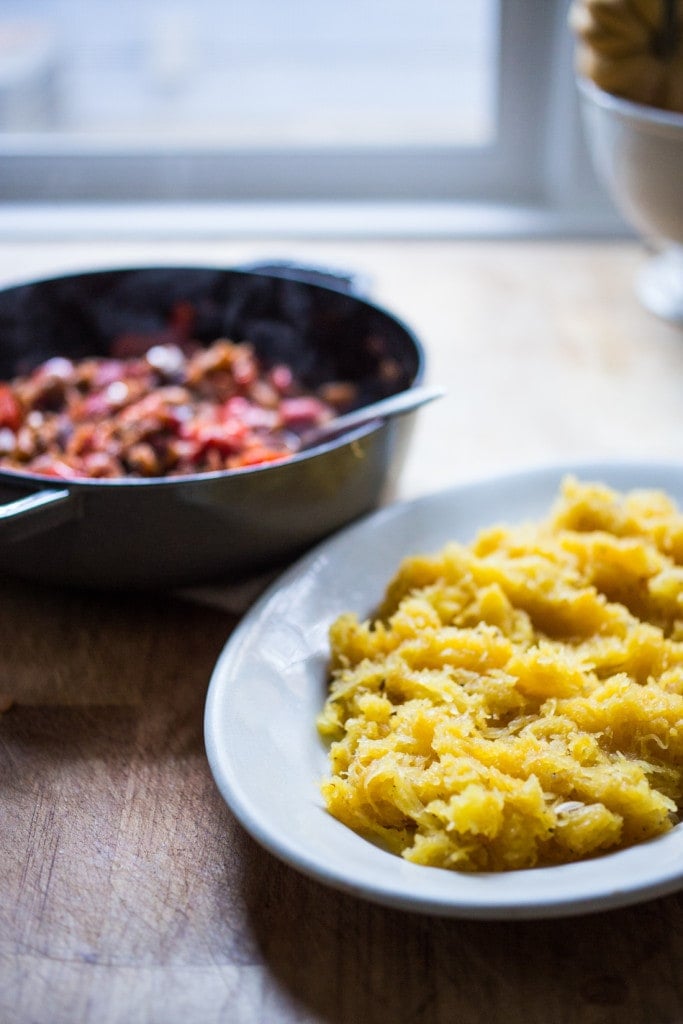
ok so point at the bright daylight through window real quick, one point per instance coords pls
(233, 101)
(252, 72)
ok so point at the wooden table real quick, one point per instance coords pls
(128, 893)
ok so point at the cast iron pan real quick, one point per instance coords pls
(134, 533)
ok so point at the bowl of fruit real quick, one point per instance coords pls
(629, 63)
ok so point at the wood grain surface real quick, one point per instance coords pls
(128, 892)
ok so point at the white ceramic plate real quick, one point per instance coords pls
(269, 685)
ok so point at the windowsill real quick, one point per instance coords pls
(419, 220)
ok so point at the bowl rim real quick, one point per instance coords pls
(630, 110)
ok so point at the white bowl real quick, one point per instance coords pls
(638, 153)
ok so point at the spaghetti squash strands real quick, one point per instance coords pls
(518, 701)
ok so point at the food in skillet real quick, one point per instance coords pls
(172, 410)
(518, 702)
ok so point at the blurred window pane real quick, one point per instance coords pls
(271, 73)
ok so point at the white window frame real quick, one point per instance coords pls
(535, 177)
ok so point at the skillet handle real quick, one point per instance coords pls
(346, 281)
(35, 513)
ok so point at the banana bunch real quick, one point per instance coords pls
(631, 48)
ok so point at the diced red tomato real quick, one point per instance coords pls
(236, 405)
(10, 408)
(302, 412)
(107, 371)
(92, 407)
(281, 377)
(256, 455)
(244, 372)
(49, 466)
(227, 436)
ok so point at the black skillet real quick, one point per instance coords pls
(183, 530)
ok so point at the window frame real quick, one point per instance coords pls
(537, 162)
